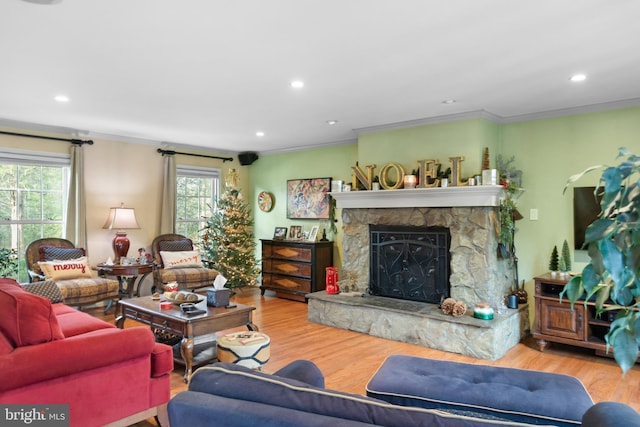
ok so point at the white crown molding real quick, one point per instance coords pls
(312, 146)
(476, 114)
(483, 114)
(584, 109)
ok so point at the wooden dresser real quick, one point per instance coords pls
(294, 268)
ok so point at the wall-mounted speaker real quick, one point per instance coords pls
(247, 158)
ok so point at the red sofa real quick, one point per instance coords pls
(54, 354)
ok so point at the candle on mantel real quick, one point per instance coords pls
(409, 181)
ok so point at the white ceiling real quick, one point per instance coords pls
(211, 73)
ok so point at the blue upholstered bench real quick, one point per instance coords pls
(512, 394)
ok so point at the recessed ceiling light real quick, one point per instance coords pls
(449, 101)
(62, 98)
(332, 122)
(260, 134)
(297, 84)
(578, 78)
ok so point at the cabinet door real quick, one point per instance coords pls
(557, 319)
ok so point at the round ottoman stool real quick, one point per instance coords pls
(250, 349)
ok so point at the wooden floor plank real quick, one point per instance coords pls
(348, 359)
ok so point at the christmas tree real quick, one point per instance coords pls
(228, 239)
(553, 262)
(566, 256)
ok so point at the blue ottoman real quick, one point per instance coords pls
(512, 394)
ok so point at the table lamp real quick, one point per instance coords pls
(121, 219)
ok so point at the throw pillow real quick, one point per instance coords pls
(52, 253)
(175, 245)
(65, 270)
(181, 259)
(47, 289)
(26, 319)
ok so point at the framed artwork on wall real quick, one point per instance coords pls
(308, 198)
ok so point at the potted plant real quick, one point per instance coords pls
(612, 276)
(8, 262)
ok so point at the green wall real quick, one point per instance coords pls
(466, 138)
(548, 151)
(271, 172)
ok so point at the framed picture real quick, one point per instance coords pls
(295, 232)
(313, 234)
(308, 198)
(280, 233)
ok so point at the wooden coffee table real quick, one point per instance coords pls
(174, 321)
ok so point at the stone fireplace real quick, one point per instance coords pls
(470, 215)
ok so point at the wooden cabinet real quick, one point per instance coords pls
(556, 322)
(293, 269)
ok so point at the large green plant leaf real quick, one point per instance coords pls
(622, 338)
(613, 260)
(573, 290)
(599, 229)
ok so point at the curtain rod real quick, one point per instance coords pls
(71, 140)
(171, 152)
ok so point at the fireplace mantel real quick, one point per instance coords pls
(438, 197)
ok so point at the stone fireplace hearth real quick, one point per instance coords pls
(476, 272)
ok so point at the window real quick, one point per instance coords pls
(196, 192)
(33, 195)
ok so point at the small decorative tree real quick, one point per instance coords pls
(228, 239)
(553, 261)
(566, 256)
(562, 266)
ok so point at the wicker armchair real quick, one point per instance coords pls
(86, 289)
(188, 277)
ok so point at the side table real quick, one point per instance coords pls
(127, 274)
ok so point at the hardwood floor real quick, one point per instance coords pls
(348, 359)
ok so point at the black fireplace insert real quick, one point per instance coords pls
(410, 263)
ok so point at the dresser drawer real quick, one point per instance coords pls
(293, 253)
(287, 283)
(286, 267)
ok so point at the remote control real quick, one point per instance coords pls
(195, 312)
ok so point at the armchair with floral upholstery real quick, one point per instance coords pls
(68, 267)
(176, 260)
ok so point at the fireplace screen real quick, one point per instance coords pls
(410, 263)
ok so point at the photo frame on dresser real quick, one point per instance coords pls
(295, 232)
(280, 233)
(308, 198)
(313, 234)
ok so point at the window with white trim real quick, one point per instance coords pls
(197, 190)
(33, 199)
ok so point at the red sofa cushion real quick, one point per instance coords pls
(75, 322)
(161, 360)
(5, 345)
(26, 319)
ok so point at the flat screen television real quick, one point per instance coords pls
(586, 208)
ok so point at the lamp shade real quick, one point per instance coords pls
(121, 219)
